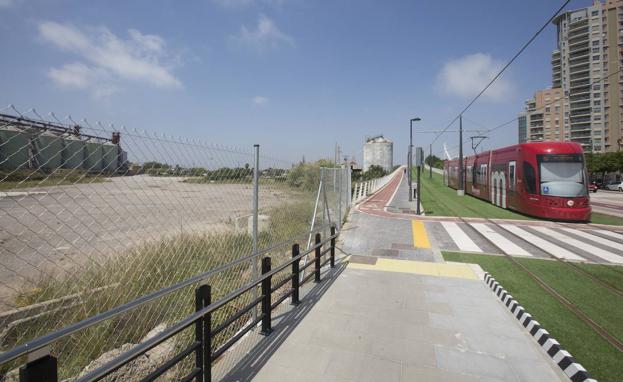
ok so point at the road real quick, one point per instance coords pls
(608, 202)
(57, 230)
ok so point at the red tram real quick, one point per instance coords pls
(543, 179)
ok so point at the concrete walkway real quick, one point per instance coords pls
(391, 319)
(395, 311)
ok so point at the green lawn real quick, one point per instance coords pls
(32, 178)
(599, 357)
(440, 200)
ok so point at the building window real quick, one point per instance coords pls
(547, 109)
(595, 50)
(597, 103)
(596, 87)
(596, 43)
(596, 57)
(596, 95)
(595, 13)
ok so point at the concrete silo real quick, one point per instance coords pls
(14, 148)
(73, 152)
(93, 156)
(48, 150)
(378, 151)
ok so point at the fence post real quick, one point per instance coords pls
(256, 172)
(317, 259)
(44, 369)
(332, 246)
(339, 203)
(266, 300)
(295, 275)
(203, 327)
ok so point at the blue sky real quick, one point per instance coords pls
(295, 76)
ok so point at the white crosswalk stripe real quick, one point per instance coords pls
(610, 233)
(546, 246)
(595, 238)
(606, 255)
(460, 238)
(499, 241)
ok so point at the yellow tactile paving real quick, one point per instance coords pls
(420, 237)
(461, 271)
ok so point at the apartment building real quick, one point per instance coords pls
(542, 119)
(586, 67)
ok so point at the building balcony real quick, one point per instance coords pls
(578, 24)
(576, 57)
(580, 113)
(580, 120)
(581, 35)
(579, 72)
(579, 51)
(583, 62)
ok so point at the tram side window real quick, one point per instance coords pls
(511, 176)
(529, 178)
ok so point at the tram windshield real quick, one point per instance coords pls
(562, 175)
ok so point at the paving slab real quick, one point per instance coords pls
(386, 325)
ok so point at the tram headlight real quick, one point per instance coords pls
(570, 203)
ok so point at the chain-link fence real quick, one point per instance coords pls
(93, 217)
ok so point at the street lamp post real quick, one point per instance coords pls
(410, 164)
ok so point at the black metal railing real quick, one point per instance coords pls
(46, 367)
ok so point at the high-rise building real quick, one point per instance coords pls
(542, 119)
(586, 67)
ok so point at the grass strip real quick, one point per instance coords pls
(599, 357)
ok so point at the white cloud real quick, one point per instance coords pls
(107, 59)
(467, 76)
(265, 35)
(259, 100)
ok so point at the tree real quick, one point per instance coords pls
(374, 172)
(434, 161)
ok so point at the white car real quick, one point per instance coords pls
(615, 186)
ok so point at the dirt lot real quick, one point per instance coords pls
(60, 228)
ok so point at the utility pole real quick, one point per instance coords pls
(461, 190)
(430, 161)
(410, 159)
(419, 163)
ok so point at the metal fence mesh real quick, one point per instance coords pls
(93, 216)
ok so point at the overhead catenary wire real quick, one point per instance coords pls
(521, 50)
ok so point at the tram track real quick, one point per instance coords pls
(596, 327)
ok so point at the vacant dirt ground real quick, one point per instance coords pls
(60, 228)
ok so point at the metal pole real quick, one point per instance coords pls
(430, 161)
(417, 208)
(256, 178)
(410, 160)
(340, 190)
(461, 190)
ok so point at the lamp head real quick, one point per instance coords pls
(416, 119)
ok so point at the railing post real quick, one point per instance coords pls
(266, 300)
(203, 328)
(295, 275)
(317, 259)
(332, 246)
(44, 369)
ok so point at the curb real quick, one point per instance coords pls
(564, 360)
